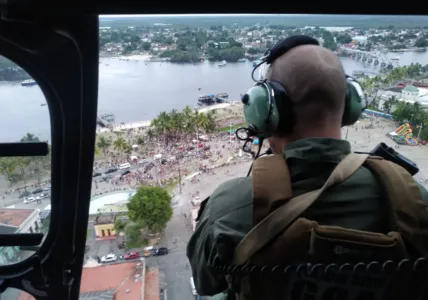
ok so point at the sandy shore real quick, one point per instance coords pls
(139, 57)
(224, 113)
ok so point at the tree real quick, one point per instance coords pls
(146, 46)
(387, 105)
(29, 138)
(119, 225)
(7, 167)
(344, 39)
(120, 144)
(133, 236)
(150, 206)
(421, 43)
(252, 51)
(103, 144)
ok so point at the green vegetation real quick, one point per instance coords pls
(412, 71)
(150, 207)
(119, 225)
(22, 169)
(103, 144)
(9, 71)
(45, 226)
(133, 238)
(402, 111)
(171, 185)
(174, 125)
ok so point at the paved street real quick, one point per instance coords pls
(175, 266)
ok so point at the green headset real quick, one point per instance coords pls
(267, 106)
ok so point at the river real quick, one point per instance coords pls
(138, 90)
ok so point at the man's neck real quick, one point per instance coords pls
(333, 133)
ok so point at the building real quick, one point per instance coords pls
(122, 281)
(404, 92)
(410, 93)
(14, 220)
(104, 227)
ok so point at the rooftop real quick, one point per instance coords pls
(411, 88)
(14, 216)
(395, 89)
(118, 277)
(105, 219)
(151, 285)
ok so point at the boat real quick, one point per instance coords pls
(28, 82)
(242, 60)
(211, 99)
(43, 104)
(222, 63)
(395, 58)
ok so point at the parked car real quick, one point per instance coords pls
(96, 174)
(125, 173)
(42, 196)
(36, 191)
(29, 199)
(111, 170)
(160, 251)
(109, 258)
(143, 161)
(106, 177)
(24, 194)
(131, 255)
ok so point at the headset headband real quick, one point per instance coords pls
(286, 45)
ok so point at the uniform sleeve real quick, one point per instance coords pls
(201, 252)
(424, 193)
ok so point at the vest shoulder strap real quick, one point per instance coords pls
(407, 211)
(271, 185)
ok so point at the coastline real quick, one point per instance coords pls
(221, 107)
(136, 57)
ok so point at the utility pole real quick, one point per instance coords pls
(419, 132)
(179, 177)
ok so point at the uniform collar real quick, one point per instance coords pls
(318, 149)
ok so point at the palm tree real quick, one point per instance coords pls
(150, 134)
(140, 141)
(120, 144)
(7, 166)
(103, 144)
(29, 138)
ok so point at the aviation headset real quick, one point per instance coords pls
(267, 106)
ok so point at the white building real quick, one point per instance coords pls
(410, 93)
(14, 220)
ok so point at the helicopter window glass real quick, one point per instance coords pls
(24, 181)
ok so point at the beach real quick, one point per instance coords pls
(224, 112)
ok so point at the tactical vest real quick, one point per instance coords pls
(280, 236)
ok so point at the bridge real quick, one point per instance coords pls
(376, 59)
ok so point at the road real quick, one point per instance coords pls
(175, 266)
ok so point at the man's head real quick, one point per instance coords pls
(315, 82)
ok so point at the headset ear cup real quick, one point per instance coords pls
(354, 104)
(256, 110)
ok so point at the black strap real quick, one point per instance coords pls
(286, 45)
